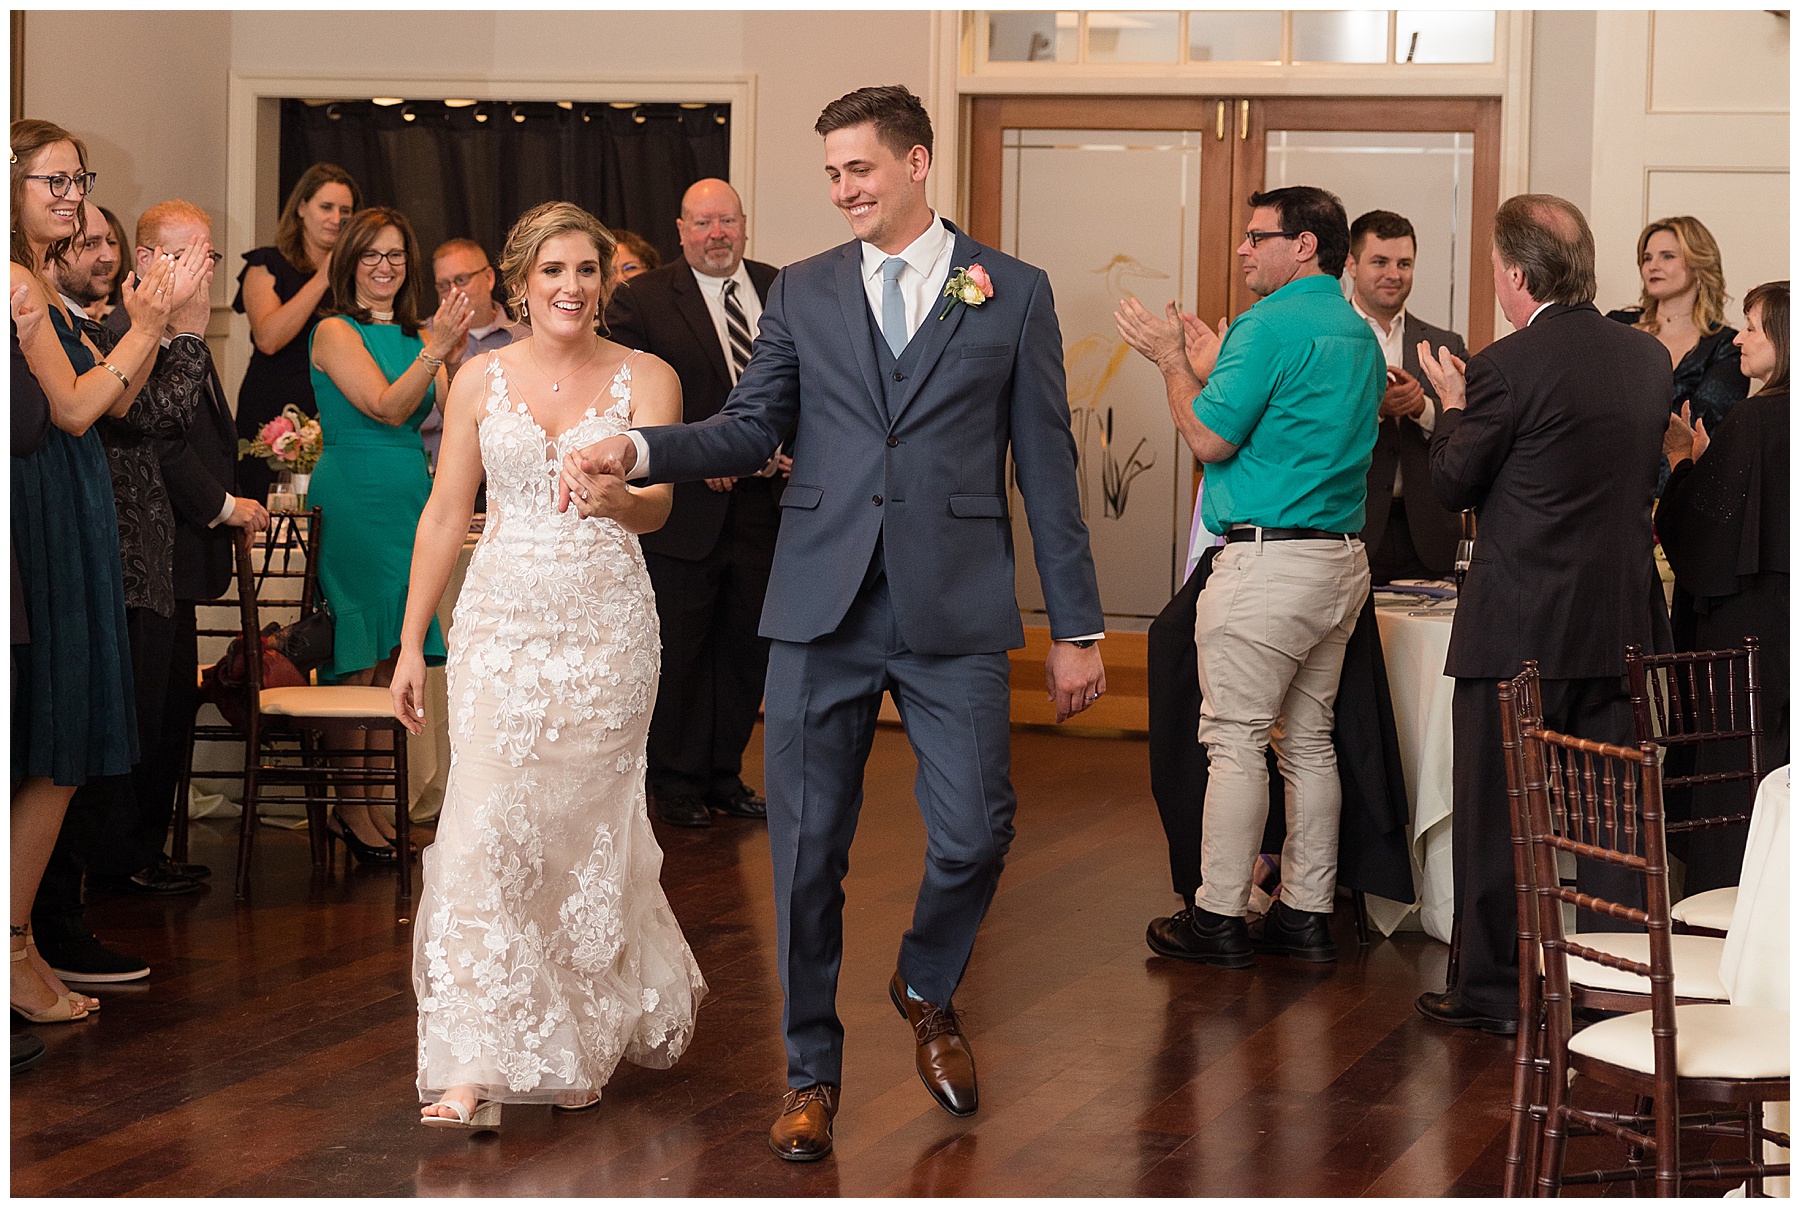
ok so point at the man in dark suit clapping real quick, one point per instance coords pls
(1408, 533)
(710, 562)
(1554, 438)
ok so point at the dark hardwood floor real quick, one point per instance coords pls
(271, 1052)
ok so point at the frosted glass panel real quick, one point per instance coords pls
(1106, 214)
(1358, 36)
(1426, 177)
(1243, 37)
(1132, 37)
(1032, 37)
(1427, 36)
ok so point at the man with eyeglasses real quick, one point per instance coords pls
(710, 562)
(461, 264)
(1281, 407)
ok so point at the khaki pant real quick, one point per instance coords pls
(1270, 631)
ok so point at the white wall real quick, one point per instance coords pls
(1690, 116)
(155, 119)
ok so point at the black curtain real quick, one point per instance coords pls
(471, 170)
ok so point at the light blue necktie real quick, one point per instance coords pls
(893, 306)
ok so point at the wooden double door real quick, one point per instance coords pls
(1147, 196)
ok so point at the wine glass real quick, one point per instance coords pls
(1465, 548)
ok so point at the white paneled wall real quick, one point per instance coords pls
(1691, 117)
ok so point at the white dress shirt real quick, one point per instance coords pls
(921, 281)
(1393, 347)
(713, 290)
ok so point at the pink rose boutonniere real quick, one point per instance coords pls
(971, 286)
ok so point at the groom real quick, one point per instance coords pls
(894, 572)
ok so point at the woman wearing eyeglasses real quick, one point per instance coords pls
(376, 372)
(73, 714)
(285, 290)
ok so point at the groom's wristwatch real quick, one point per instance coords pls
(1081, 643)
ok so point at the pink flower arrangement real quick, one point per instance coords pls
(291, 441)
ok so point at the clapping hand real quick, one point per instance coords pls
(450, 327)
(1201, 343)
(1686, 438)
(1445, 370)
(1404, 396)
(1159, 340)
(27, 315)
(149, 298)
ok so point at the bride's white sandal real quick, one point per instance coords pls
(577, 1107)
(485, 1116)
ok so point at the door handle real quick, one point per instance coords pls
(1243, 120)
(1219, 125)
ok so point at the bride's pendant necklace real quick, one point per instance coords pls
(556, 383)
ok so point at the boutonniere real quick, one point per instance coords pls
(971, 286)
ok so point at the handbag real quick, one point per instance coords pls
(222, 684)
(308, 642)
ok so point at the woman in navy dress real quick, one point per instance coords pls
(74, 715)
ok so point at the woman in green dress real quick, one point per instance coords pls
(376, 373)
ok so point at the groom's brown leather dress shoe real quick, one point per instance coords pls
(802, 1133)
(946, 1066)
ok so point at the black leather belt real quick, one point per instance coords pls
(1284, 534)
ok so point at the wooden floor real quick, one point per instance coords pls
(272, 1050)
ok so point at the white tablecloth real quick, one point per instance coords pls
(1755, 963)
(1414, 641)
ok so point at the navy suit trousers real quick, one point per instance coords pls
(819, 721)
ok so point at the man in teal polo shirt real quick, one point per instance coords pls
(1282, 407)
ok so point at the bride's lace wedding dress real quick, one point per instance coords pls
(544, 950)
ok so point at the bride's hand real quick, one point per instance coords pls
(594, 495)
(408, 688)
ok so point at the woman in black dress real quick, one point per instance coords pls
(1683, 306)
(73, 713)
(1724, 527)
(285, 290)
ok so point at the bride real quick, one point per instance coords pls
(544, 950)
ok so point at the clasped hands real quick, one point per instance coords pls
(593, 478)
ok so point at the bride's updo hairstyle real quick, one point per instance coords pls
(539, 225)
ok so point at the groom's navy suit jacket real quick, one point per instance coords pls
(920, 468)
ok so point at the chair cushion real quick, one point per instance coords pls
(1712, 1040)
(335, 700)
(1696, 964)
(1712, 909)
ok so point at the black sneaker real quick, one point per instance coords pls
(82, 958)
(1200, 935)
(1304, 935)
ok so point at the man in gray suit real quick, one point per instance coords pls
(1409, 534)
(911, 360)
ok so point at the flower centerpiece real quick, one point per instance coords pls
(292, 441)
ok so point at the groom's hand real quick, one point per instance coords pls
(1075, 677)
(614, 456)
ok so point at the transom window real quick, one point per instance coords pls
(1275, 38)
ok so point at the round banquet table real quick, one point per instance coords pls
(1415, 638)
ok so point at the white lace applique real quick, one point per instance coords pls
(545, 949)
